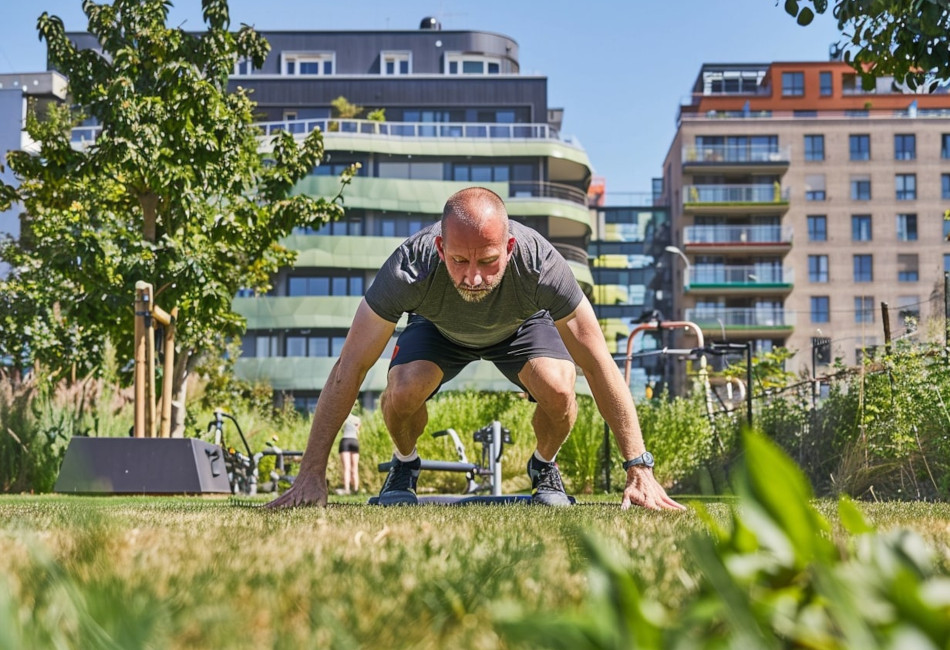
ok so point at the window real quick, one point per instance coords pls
(905, 146)
(325, 285)
(906, 187)
(864, 309)
(395, 63)
(860, 188)
(308, 63)
(908, 311)
(819, 309)
(945, 186)
(824, 83)
(907, 227)
(818, 227)
(908, 268)
(266, 346)
(945, 146)
(862, 269)
(793, 84)
(243, 67)
(469, 64)
(946, 262)
(814, 147)
(817, 268)
(860, 146)
(860, 227)
(815, 187)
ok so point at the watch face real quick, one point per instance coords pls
(647, 459)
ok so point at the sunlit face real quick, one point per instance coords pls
(475, 259)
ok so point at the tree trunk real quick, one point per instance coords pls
(149, 203)
(183, 366)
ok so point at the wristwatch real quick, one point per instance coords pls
(645, 459)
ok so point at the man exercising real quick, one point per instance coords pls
(477, 286)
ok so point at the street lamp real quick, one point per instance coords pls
(676, 251)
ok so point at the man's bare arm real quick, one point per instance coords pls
(362, 348)
(585, 341)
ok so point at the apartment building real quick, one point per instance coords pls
(800, 202)
(457, 113)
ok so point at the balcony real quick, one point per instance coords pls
(735, 199)
(756, 279)
(728, 158)
(747, 321)
(737, 238)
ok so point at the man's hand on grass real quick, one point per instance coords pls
(644, 490)
(307, 490)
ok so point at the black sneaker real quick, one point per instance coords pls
(546, 483)
(400, 485)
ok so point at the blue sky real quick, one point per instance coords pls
(618, 68)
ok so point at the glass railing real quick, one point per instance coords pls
(84, 135)
(728, 153)
(750, 275)
(741, 317)
(734, 194)
(737, 235)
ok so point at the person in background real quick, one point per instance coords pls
(350, 453)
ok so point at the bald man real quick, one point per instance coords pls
(477, 286)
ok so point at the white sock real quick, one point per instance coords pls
(406, 459)
(537, 454)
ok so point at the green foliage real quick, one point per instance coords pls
(775, 578)
(909, 39)
(173, 191)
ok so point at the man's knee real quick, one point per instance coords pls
(408, 386)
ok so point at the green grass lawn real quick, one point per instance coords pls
(165, 572)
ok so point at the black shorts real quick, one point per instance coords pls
(351, 445)
(537, 337)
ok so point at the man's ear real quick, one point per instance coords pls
(511, 244)
(439, 249)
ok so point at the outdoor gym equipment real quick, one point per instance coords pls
(484, 476)
(243, 467)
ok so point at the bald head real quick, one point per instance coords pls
(476, 210)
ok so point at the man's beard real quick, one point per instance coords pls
(477, 295)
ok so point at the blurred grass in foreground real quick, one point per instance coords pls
(117, 572)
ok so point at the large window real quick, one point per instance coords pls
(863, 270)
(860, 188)
(859, 146)
(817, 268)
(818, 227)
(905, 146)
(824, 84)
(907, 227)
(908, 267)
(905, 186)
(945, 186)
(313, 345)
(814, 147)
(820, 309)
(864, 309)
(793, 84)
(471, 64)
(861, 227)
(945, 146)
(325, 285)
(308, 63)
(395, 63)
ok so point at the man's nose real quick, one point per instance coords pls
(474, 277)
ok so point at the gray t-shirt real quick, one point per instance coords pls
(415, 280)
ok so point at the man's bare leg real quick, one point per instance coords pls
(551, 384)
(404, 410)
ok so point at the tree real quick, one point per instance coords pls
(909, 39)
(174, 191)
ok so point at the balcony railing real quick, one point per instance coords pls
(546, 190)
(741, 317)
(745, 275)
(473, 130)
(572, 253)
(739, 235)
(734, 194)
(728, 153)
